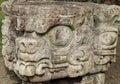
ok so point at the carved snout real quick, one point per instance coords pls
(28, 45)
(31, 49)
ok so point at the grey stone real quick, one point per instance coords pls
(43, 41)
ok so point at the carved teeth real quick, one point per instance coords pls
(40, 69)
(22, 69)
(26, 71)
(30, 71)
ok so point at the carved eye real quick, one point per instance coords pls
(60, 35)
(108, 38)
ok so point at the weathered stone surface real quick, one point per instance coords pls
(43, 41)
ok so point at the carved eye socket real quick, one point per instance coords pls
(60, 35)
(20, 33)
(4, 39)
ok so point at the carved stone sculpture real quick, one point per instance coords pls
(44, 41)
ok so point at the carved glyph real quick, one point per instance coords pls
(43, 41)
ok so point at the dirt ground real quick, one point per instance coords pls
(112, 76)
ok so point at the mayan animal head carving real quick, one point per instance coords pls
(49, 40)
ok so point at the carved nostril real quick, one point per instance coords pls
(27, 44)
(23, 44)
(30, 44)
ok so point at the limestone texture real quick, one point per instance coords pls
(48, 40)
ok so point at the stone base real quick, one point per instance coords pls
(98, 78)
